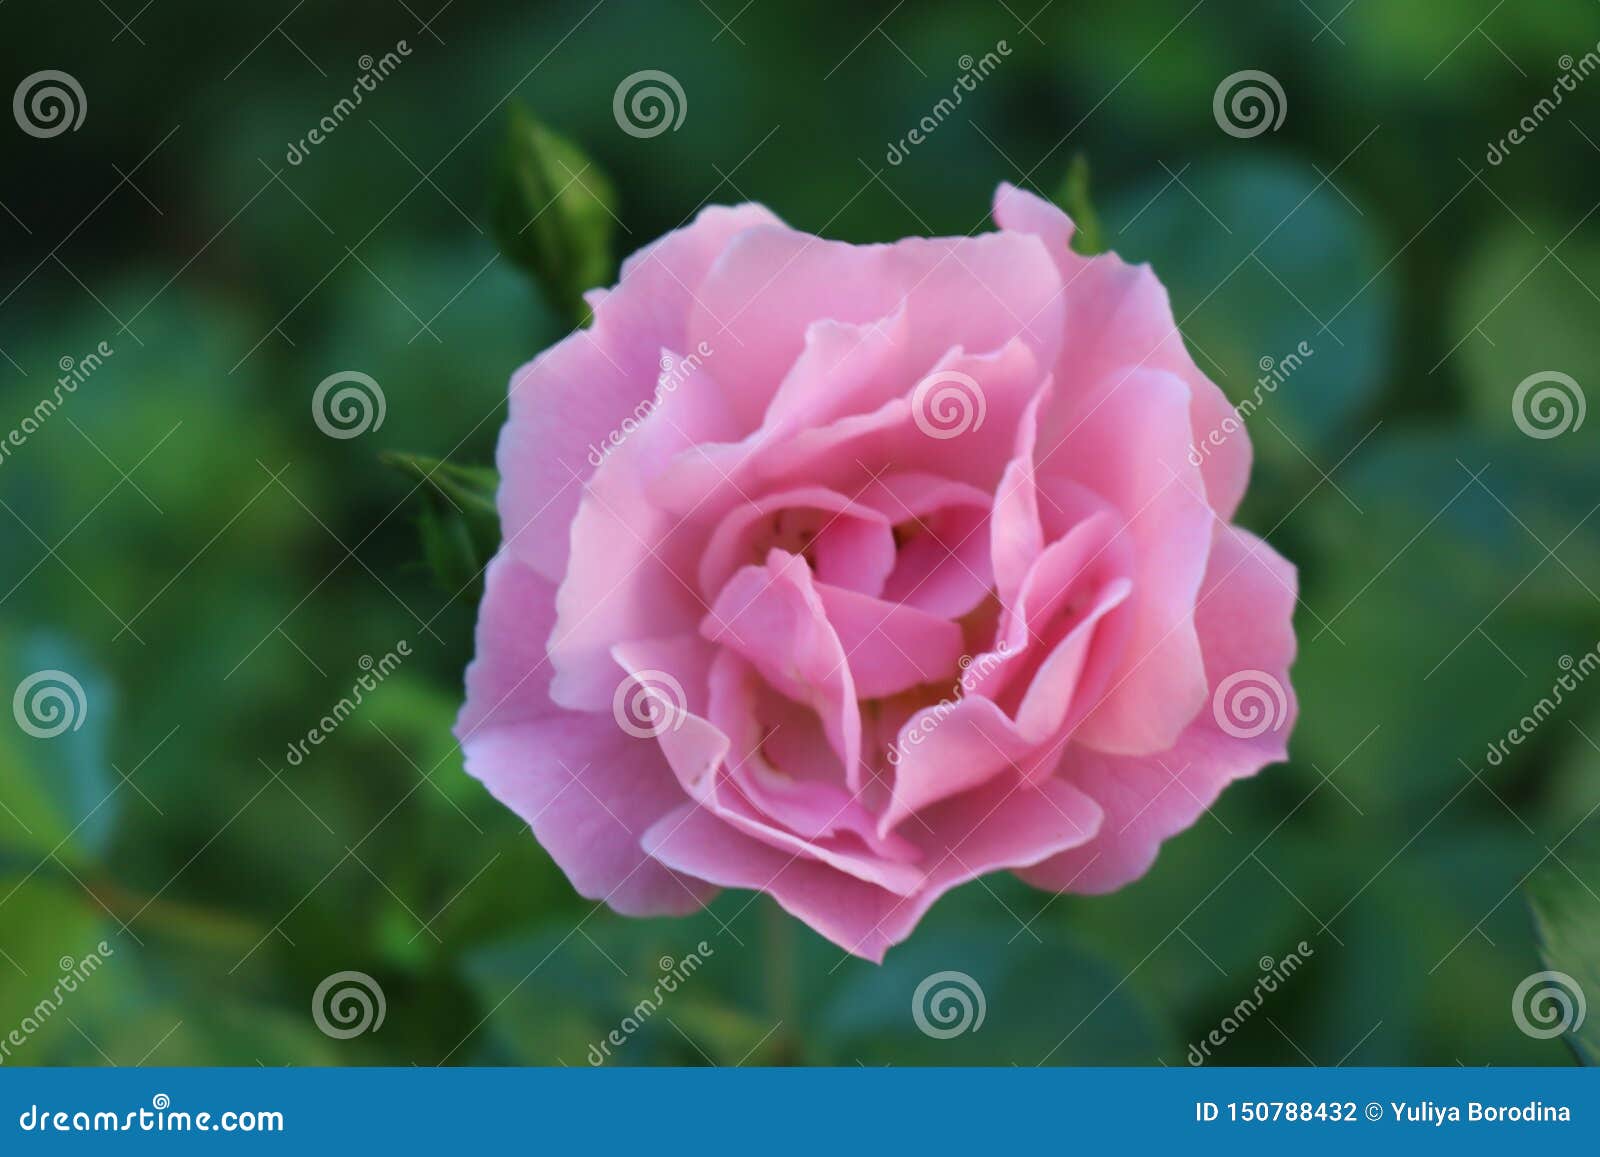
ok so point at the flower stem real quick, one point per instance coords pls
(778, 946)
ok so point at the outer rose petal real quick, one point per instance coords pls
(632, 566)
(578, 391)
(1120, 315)
(1244, 619)
(999, 825)
(588, 789)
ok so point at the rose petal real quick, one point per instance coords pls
(1119, 315)
(891, 647)
(851, 542)
(572, 396)
(774, 617)
(1245, 618)
(588, 790)
(630, 574)
(770, 284)
(1005, 825)
(1129, 448)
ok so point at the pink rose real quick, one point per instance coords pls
(851, 573)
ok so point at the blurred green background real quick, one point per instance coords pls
(212, 569)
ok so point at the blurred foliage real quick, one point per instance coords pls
(1562, 894)
(214, 570)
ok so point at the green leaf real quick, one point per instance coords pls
(470, 487)
(457, 520)
(552, 211)
(447, 546)
(1076, 200)
(1566, 915)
